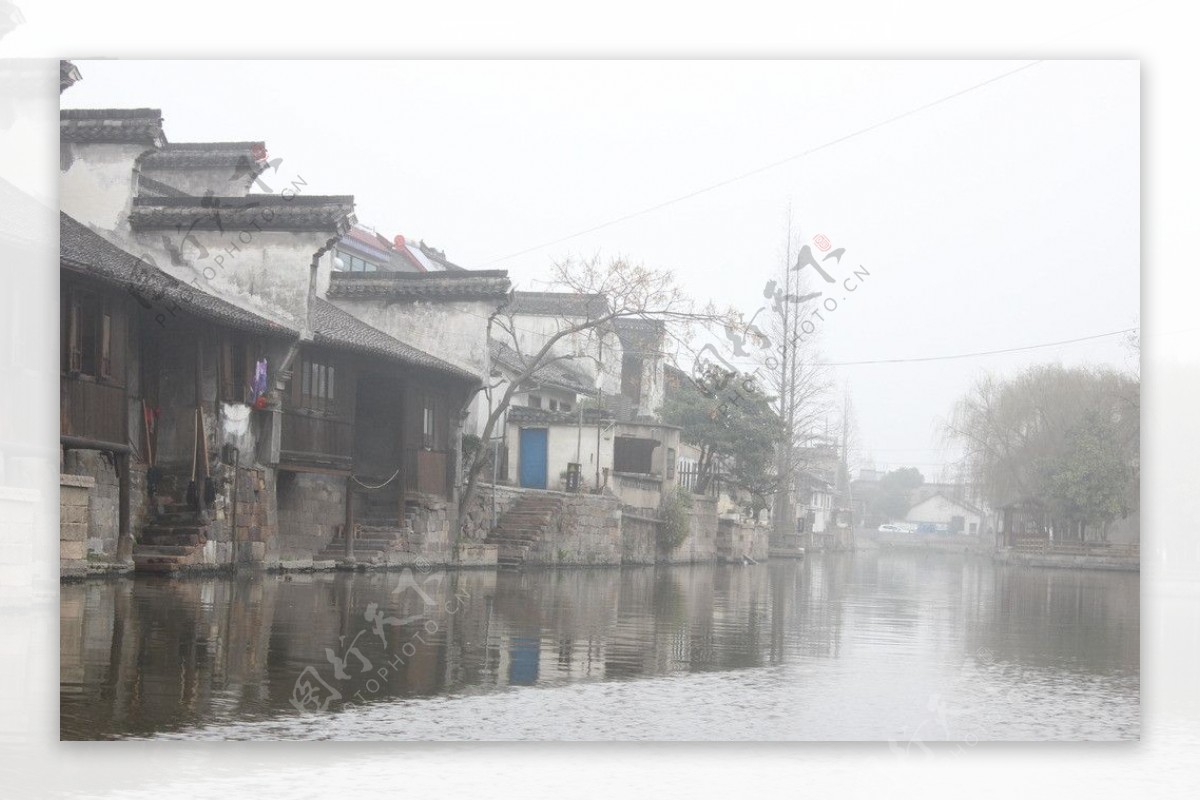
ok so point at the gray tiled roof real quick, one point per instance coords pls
(557, 374)
(112, 125)
(86, 252)
(191, 155)
(336, 327)
(68, 75)
(147, 186)
(639, 335)
(558, 304)
(457, 285)
(323, 213)
(89, 253)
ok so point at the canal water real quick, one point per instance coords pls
(926, 651)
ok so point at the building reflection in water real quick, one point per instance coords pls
(150, 655)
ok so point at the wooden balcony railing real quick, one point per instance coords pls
(92, 410)
(427, 472)
(315, 440)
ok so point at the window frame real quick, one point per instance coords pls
(428, 422)
(88, 355)
(318, 384)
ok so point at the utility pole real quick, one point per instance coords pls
(783, 524)
(599, 402)
(846, 460)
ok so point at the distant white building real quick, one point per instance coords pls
(939, 509)
(814, 505)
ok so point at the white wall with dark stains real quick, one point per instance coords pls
(453, 331)
(97, 183)
(222, 182)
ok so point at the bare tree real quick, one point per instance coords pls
(613, 291)
(790, 368)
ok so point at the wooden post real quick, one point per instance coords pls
(348, 531)
(124, 532)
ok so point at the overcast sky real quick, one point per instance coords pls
(999, 217)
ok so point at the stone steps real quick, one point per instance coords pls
(173, 535)
(175, 539)
(368, 544)
(520, 528)
(165, 558)
(525, 521)
(337, 548)
(176, 519)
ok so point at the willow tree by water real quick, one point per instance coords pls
(1056, 441)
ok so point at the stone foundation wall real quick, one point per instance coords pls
(740, 540)
(836, 540)
(947, 543)
(432, 519)
(639, 540)
(701, 542)
(103, 524)
(479, 516)
(589, 533)
(255, 532)
(1009, 556)
(74, 500)
(310, 508)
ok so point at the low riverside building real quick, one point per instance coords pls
(219, 407)
(250, 377)
(589, 418)
(942, 512)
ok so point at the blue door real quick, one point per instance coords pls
(533, 457)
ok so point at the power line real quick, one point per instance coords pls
(765, 167)
(981, 352)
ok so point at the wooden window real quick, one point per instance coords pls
(553, 405)
(89, 321)
(535, 401)
(316, 385)
(89, 336)
(74, 356)
(428, 423)
(236, 368)
(105, 350)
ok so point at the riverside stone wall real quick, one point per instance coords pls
(1009, 556)
(737, 541)
(945, 543)
(103, 523)
(639, 539)
(255, 532)
(310, 508)
(431, 518)
(589, 533)
(701, 542)
(479, 516)
(74, 513)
